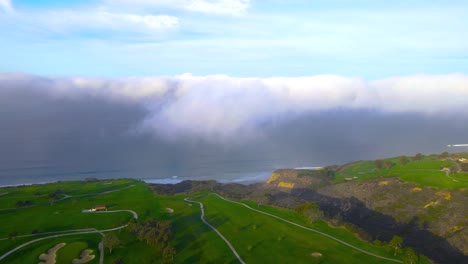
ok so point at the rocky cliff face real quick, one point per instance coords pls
(288, 179)
(442, 212)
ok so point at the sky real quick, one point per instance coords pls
(241, 38)
(225, 89)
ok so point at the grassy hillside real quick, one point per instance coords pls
(426, 171)
(257, 237)
(262, 239)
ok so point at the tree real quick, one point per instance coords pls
(403, 160)
(444, 155)
(118, 260)
(378, 164)
(153, 232)
(91, 179)
(111, 241)
(311, 211)
(388, 164)
(409, 256)
(169, 253)
(418, 156)
(13, 235)
(395, 243)
(464, 166)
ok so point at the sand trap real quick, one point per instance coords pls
(85, 256)
(316, 254)
(169, 210)
(49, 258)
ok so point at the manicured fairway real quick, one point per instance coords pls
(259, 238)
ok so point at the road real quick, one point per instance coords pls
(76, 231)
(65, 196)
(135, 215)
(216, 230)
(312, 230)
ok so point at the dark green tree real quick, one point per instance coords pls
(169, 253)
(118, 260)
(388, 164)
(403, 160)
(111, 241)
(444, 155)
(418, 156)
(464, 166)
(396, 243)
(13, 235)
(378, 164)
(409, 256)
(153, 232)
(311, 211)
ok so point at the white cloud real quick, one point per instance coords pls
(220, 107)
(219, 7)
(231, 7)
(98, 19)
(6, 6)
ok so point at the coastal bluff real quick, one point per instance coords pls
(288, 179)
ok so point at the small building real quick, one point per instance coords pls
(100, 207)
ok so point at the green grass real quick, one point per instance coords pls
(261, 239)
(192, 239)
(31, 253)
(257, 237)
(425, 172)
(73, 251)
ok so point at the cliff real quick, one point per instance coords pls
(288, 179)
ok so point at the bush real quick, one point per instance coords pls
(378, 164)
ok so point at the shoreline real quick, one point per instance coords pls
(168, 180)
(241, 178)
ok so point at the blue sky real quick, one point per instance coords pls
(115, 38)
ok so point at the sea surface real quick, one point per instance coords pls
(41, 175)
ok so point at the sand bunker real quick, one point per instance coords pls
(316, 254)
(85, 256)
(51, 255)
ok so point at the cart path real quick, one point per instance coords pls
(73, 232)
(311, 229)
(216, 230)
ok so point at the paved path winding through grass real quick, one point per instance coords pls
(76, 231)
(310, 229)
(65, 196)
(73, 232)
(216, 230)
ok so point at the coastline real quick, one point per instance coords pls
(244, 178)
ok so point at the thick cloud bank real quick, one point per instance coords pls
(222, 107)
(216, 126)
